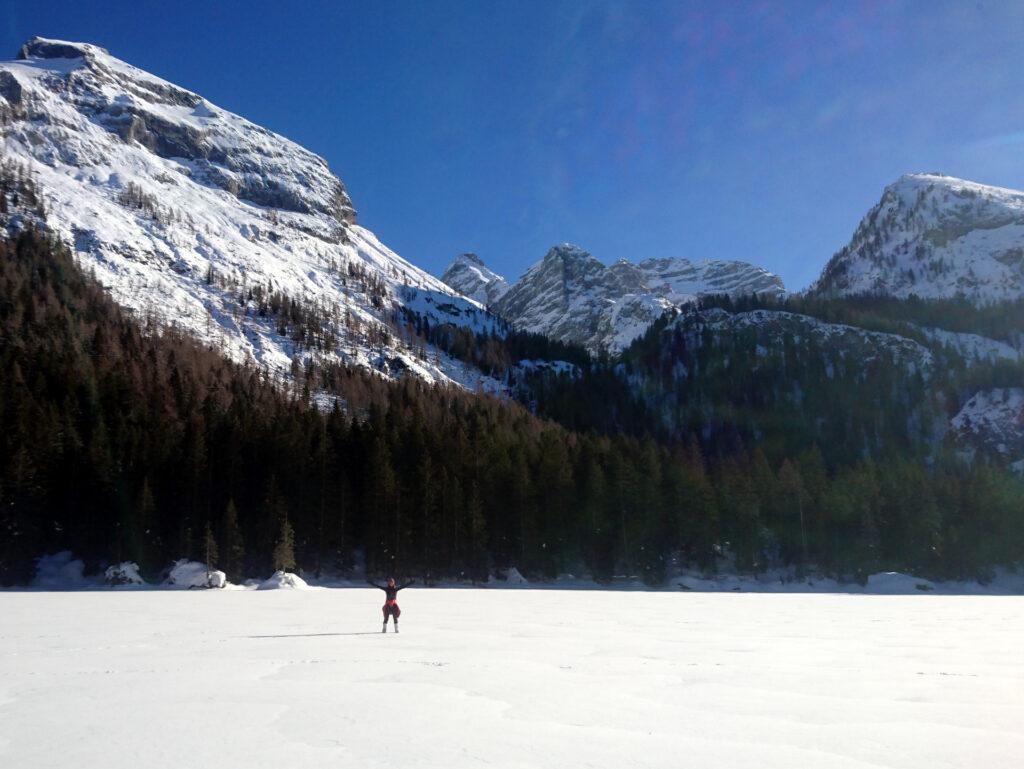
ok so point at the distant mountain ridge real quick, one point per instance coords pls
(571, 296)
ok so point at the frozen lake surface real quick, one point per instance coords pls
(509, 678)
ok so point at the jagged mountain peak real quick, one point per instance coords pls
(469, 258)
(934, 236)
(569, 252)
(468, 275)
(571, 257)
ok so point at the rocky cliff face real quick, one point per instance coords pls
(934, 236)
(182, 209)
(571, 296)
(993, 421)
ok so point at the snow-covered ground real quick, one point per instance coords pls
(509, 678)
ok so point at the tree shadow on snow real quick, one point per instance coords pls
(311, 635)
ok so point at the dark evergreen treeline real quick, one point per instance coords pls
(128, 443)
(774, 385)
(493, 353)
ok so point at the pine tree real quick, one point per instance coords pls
(794, 499)
(284, 550)
(209, 551)
(233, 543)
(145, 515)
(476, 527)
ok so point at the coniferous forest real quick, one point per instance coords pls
(121, 441)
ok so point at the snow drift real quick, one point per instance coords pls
(192, 574)
(283, 580)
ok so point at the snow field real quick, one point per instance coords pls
(509, 679)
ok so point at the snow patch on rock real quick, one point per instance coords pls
(993, 420)
(125, 573)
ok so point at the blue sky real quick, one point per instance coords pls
(758, 131)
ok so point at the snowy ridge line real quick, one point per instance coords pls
(717, 319)
(971, 347)
(157, 189)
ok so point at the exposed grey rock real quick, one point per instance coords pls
(41, 48)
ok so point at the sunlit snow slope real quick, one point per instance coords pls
(182, 208)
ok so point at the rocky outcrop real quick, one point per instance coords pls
(992, 421)
(223, 150)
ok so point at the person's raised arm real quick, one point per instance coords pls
(405, 585)
(379, 587)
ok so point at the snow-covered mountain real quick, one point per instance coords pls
(571, 296)
(189, 214)
(468, 275)
(934, 236)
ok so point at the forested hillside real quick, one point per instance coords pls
(124, 442)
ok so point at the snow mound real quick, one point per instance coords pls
(191, 574)
(509, 577)
(897, 583)
(125, 573)
(283, 580)
(60, 571)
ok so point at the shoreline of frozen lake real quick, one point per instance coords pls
(535, 678)
(62, 571)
